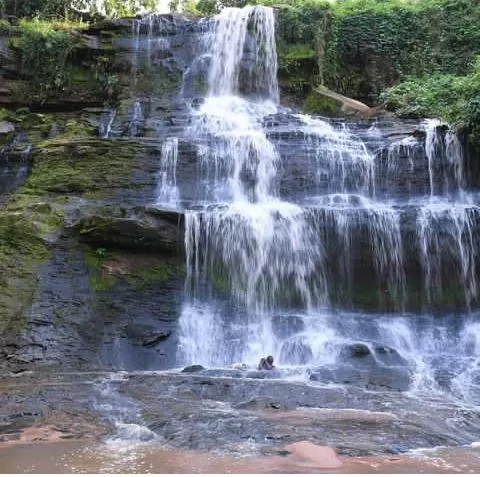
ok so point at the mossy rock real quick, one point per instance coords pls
(24, 247)
(132, 229)
(109, 267)
(33, 218)
(317, 104)
(82, 166)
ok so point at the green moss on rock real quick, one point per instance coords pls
(83, 166)
(34, 216)
(111, 267)
(317, 104)
(23, 249)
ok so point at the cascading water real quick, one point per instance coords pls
(292, 219)
(449, 230)
(167, 190)
(234, 31)
(270, 253)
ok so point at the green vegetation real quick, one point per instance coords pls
(417, 56)
(73, 8)
(82, 166)
(45, 51)
(210, 7)
(451, 97)
(51, 58)
(22, 251)
(64, 169)
(365, 46)
(26, 228)
(317, 104)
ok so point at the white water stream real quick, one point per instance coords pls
(268, 259)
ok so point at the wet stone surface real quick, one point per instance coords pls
(221, 413)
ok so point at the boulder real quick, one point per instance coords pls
(296, 351)
(360, 354)
(134, 228)
(286, 326)
(194, 368)
(389, 356)
(358, 350)
(375, 378)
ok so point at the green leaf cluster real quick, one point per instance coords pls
(377, 43)
(453, 98)
(365, 46)
(72, 8)
(212, 7)
(45, 52)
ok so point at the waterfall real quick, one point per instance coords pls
(268, 252)
(431, 148)
(340, 159)
(108, 117)
(234, 31)
(298, 229)
(167, 192)
(448, 231)
(445, 159)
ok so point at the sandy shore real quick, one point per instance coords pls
(45, 450)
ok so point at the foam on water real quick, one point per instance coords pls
(122, 413)
(340, 158)
(235, 146)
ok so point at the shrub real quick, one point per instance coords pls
(453, 98)
(44, 53)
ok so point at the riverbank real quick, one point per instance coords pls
(299, 457)
(181, 422)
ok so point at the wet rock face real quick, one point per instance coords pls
(135, 229)
(372, 366)
(358, 350)
(194, 368)
(375, 378)
(286, 326)
(95, 254)
(296, 351)
(76, 265)
(223, 414)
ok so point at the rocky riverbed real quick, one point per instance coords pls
(225, 416)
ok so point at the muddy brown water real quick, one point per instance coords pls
(300, 457)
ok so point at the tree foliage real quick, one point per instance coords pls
(451, 97)
(66, 8)
(364, 46)
(44, 55)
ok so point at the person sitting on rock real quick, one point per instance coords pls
(266, 363)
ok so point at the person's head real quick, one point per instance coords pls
(269, 359)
